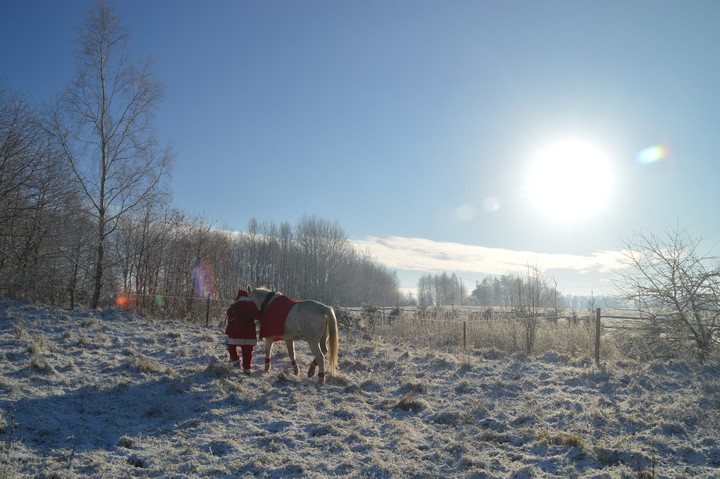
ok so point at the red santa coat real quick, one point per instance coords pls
(272, 321)
(240, 328)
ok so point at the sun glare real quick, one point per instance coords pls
(569, 181)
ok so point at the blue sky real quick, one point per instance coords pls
(415, 124)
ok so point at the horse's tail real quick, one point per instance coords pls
(331, 332)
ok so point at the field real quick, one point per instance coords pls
(109, 394)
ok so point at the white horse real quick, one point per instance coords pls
(307, 320)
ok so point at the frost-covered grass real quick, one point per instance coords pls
(108, 394)
(503, 334)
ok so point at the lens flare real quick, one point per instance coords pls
(491, 204)
(652, 154)
(159, 300)
(204, 280)
(465, 212)
(122, 300)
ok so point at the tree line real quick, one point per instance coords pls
(504, 291)
(85, 212)
(511, 291)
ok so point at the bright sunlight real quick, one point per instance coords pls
(569, 181)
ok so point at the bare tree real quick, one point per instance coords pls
(528, 297)
(104, 126)
(440, 290)
(324, 247)
(675, 288)
(538, 295)
(20, 158)
(33, 199)
(316, 261)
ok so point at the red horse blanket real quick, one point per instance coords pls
(272, 322)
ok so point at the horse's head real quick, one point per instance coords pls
(255, 295)
(261, 296)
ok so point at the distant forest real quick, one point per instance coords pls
(512, 291)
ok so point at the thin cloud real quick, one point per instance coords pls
(418, 254)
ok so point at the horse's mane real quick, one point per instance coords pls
(265, 289)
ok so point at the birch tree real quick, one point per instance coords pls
(104, 124)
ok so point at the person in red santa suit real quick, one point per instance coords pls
(240, 329)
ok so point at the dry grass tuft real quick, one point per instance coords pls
(571, 440)
(143, 364)
(414, 387)
(217, 369)
(20, 333)
(39, 345)
(127, 442)
(41, 365)
(409, 403)
(574, 441)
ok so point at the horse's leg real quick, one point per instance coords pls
(314, 364)
(311, 370)
(291, 352)
(319, 360)
(268, 353)
(323, 345)
(323, 350)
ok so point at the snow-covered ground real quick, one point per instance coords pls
(108, 394)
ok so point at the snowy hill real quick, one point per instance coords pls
(109, 394)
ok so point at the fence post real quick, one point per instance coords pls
(464, 335)
(207, 311)
(598, 327)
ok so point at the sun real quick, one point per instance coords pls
(570, 180)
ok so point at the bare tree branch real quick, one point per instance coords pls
(675, 288)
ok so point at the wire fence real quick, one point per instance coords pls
(591, 335)
(208, 310)
(468, 327)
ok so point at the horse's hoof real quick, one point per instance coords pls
(267, 368)
(296, 370)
